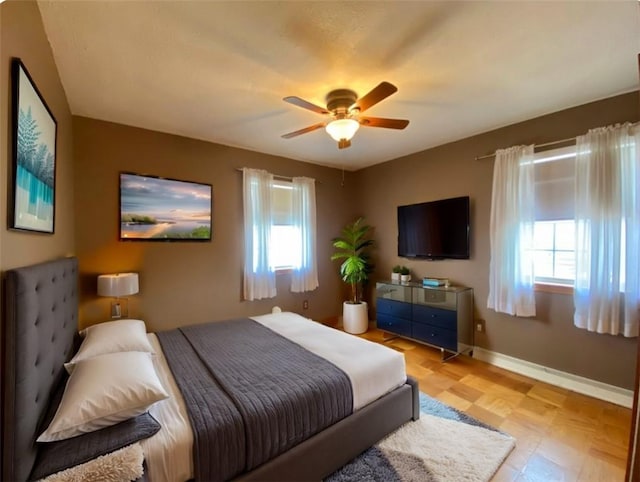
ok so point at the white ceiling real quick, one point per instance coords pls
(218, 71)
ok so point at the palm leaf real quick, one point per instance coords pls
(364, 244)
(342, 244)
(339, 256)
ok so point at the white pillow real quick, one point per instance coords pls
(103, 391)
(111, 337)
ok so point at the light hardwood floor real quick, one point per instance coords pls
(560, 435)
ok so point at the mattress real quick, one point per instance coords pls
(374, 370)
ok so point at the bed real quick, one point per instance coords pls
(41, 335)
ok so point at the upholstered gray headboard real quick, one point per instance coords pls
(41, 308)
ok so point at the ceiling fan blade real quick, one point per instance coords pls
(381, 92)
(305, 105)
(320, 125)
(381, 122)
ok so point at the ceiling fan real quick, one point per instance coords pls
(345, 109)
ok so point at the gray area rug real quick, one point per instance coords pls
(444, 445)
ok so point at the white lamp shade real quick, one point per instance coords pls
(120, 284)
(342, 129)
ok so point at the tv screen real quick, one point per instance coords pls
(158, 209)
(434, 230)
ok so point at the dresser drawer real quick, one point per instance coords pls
(392, 307)
(435, 335)
(394, 325)
(435, 316)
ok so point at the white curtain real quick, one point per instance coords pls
(607, 286)
(511, 277)
(304, 276)
(259, 278)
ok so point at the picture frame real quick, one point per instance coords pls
(155, 208)
(34, 156)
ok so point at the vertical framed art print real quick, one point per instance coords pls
(34, 156)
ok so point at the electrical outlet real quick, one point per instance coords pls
(305, 305)
(480, 325)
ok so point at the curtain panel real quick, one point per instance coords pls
(511, 276)
(304, 277)
(259, 279)
(607, 285)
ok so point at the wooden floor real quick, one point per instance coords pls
(560, 435)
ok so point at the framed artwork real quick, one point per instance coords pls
(158, 209)
(34, 156)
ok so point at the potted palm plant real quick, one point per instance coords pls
(352, 247)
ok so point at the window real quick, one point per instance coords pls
(285, 249)
(554, 251)
(554, 228)
(279, 233)
(571, 218)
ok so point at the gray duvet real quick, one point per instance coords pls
(251, 393)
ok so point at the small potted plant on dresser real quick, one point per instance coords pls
(352, 248)
(395, 273)
(405, 274)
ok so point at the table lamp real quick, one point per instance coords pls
(116, 286)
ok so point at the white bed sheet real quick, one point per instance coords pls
(168, 452)
(374, 370)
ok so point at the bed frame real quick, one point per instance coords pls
(41, 308)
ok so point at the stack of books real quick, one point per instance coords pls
(433, 282)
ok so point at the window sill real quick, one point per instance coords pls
(280, 271)
(554, 288)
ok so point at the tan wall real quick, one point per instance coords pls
(181, 282)
(550, 338)
(23, 36)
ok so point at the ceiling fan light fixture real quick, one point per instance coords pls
(344, 109)
(342, 129)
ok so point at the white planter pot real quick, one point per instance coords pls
(395, 276)
(405, 278)
(355, 319)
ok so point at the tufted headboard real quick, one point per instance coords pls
(41, 307)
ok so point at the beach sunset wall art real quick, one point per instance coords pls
(158, 209)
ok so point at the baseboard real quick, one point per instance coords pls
(586, 386)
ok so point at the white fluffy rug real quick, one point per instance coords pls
(450, 450)
(124, 464)
(432, 449)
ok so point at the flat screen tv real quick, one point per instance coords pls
(434, 230)
(159, 209)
